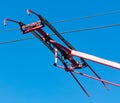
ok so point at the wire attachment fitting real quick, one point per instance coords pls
(30, 11)
(18, 22)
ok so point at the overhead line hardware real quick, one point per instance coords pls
(73, 19)
(67, 54)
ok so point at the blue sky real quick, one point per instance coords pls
(27, 74)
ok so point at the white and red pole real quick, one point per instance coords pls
(96, 59)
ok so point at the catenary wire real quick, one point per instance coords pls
(17, 40)
(7, 30)
(66, 32)
(86, 29)
(85, 17)
(72, 19)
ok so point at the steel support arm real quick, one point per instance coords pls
(96, 59)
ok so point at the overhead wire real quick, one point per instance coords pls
(66, 32)
(7, 30)
(86, 17)
(17, 40)
(93, 28)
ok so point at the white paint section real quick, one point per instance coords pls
(96, 59)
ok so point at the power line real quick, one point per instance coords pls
(86, 29)
(66, 32)
(85, 17)
(72, 19)
(7, 30)
(17, 40)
